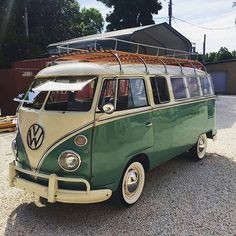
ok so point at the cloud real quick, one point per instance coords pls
(215, 38)
(95, 4)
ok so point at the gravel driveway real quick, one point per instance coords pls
(181, 197)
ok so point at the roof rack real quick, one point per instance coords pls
(98, 54)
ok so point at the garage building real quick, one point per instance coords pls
(224, 76)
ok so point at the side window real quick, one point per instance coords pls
(193, 87)
(179, 88)
(108, 93)
(131, 94)
(160, 90)
(206, 87)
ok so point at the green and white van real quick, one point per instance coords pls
(91, 129)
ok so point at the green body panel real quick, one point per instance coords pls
(112, 144)
(22, 159)
(115, 142)
(50, 163)
(176, 129)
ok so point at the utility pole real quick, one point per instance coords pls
(170, 12)
(26, 21)
(26, 26)
(204, 50)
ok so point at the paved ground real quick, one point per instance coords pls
(181, 197)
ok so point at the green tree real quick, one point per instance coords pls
(91, 21)
(131, 13)
(224, 54)
(49, 21)
(234, 54)
(211, 57)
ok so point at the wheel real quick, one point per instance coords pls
(198, 151)
(43, 201)
(131, 185)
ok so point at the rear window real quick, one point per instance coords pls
(206, 85)
(179, 88)
(193, 87)
(160, 90)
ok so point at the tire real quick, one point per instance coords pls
(198, 151)
(131, 185)
(43, 201)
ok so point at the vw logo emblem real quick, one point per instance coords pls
(35, 136)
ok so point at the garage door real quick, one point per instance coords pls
(219, 81)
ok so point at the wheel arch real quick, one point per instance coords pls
(142, 158)
(211, 134)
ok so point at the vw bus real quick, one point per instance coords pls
(95, 122)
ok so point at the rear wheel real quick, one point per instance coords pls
(131, 185)
(198, 151)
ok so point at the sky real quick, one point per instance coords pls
(193, 19)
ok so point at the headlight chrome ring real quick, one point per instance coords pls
(69, 161)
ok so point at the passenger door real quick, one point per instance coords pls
(163, 121)
(124, 133)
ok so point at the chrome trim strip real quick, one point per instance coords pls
(183, 102)
(127, 114)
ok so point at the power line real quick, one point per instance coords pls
(178, 25)
(202, 27)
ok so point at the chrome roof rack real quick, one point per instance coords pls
(96, 53)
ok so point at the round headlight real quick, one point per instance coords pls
(69, 161)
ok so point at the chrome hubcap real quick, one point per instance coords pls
(201, 147)
(131, 182)
(201, 144)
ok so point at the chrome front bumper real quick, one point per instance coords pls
(52, 192)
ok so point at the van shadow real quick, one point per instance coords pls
(180, 196)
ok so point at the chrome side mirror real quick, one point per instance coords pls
(108, 108)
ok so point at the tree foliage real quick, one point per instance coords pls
(49, 21)
(131, 13)
(222, 55)
(91, 21)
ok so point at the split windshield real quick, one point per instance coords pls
(62, 94)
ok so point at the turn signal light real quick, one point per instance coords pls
(81, 140)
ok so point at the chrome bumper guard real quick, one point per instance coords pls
(52, 192)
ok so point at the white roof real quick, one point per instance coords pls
(95, 69)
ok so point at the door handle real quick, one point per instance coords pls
(148, 124)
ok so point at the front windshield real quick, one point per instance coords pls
(77, 100)
(35, 99)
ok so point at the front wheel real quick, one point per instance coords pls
(131, 186)
(198, 151)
